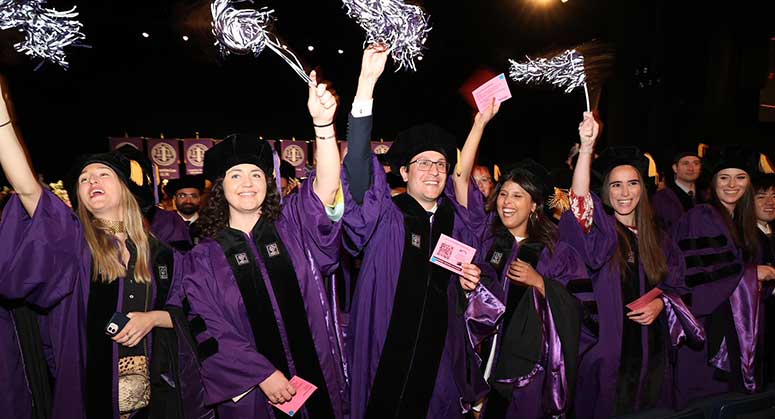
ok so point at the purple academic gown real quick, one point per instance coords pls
(601, 352)
(168, 227)
(377, 227)
(723, 287)
(668, 207)
(55, 237)
(41, 258)
(236, 367)
(536, 394)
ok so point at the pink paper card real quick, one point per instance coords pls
(304, 390)
(452, 254)
(496, 88)
(644, 299)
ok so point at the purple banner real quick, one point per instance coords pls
(380, 147)
(295, 152)
(194, 150)
(117, 142)
(165, 154)
(272, 144)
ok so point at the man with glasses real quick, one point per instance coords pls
(186, 193)
(409, 352)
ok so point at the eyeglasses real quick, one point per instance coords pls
(182, 195)
(425, 165)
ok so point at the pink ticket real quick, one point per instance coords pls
(304, 390)
(452, 254)
(496, 88)
(644, 299)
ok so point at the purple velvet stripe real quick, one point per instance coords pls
(746, 306)
(555, 382)
(482, 314)
(275, 306)
(681, 323)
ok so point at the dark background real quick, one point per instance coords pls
(685, 71)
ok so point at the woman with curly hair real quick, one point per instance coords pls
(254, 289)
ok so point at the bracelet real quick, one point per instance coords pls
(323, 126)
(6, 123)
(326, 137)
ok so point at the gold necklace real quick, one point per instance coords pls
(111, 226)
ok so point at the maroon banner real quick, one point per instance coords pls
(165, 154)
(295, 152)
(194, 150)
(117, 142)
(380, 147)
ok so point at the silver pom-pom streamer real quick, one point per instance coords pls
(47, 32)
(246, 31)
(404, 27)
(564, 71)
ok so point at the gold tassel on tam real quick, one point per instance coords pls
(136, 173)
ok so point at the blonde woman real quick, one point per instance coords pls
(92, 268)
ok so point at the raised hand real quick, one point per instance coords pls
(373, 61)
(321, 103)
(589, 129)
(483, 118)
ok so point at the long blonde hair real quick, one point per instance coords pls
(107, 264)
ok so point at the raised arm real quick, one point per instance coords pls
(358, 160)
(322, 108)
(468, 154)
(588, 131)
(15, 164)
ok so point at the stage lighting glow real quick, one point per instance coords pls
(145, 34)
(310, 48)
(185, 37)
(340, 51)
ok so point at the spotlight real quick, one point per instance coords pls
(340, 51)
(310, 48)
(185, 37)
(145, 34)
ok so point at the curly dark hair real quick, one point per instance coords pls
(214, 215)
(540, 229)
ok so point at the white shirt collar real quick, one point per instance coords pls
(191, 219)
(684, 187)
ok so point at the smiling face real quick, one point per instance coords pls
(483, 180)
(99, 190)
(765, 205)
(425, 185)
(729, 186)
(514, 205)
(624, 191)
(244, 187)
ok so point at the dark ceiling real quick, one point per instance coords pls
(704, 65)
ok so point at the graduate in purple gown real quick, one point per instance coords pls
(764, 199)
(410, 355)
(81, 268)
(720, 245)
(629, 367)
(681, 194)
(254, 289)
(531, 361)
